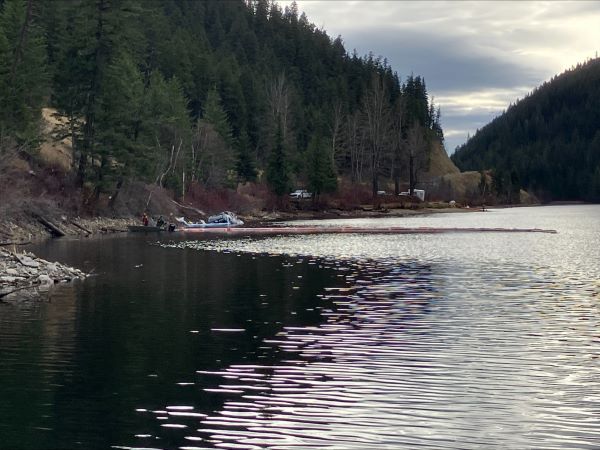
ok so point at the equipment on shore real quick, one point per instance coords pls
(225, 220)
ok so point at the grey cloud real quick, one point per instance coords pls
(458, 127)
(446, 63)
(449, 64)
(474, 55)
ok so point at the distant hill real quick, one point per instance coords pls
(547, 143)
(440, 163)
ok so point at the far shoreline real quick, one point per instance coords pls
(21, 230)
(329, 214)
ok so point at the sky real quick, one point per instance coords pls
(476, 57)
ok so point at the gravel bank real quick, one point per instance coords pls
(25, 271)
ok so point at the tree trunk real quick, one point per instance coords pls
(81, 168)
(113, 197)
(375, 177)
(411, 174)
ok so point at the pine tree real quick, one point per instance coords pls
(165, 129)
(120, 105)
(216, 115)
(246, 162)
(321, 174)
(137, 80)
(278, 176)
(23, 72)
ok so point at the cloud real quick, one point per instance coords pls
(476, 57)
(445, 62)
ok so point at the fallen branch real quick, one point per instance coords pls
(54, 230)
(81, 227)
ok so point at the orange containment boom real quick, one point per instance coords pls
(362, 230)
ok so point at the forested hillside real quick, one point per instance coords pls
(184, 92)
(548, 143)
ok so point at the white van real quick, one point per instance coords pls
(419, 193)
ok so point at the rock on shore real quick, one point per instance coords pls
(20, 271)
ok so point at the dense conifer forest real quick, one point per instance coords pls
(548, 143)
(212, 93)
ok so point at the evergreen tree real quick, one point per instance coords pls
(174, 90)
(246, 162)
(278, 176)
(165, 129)
(216, 115)
(321, 175)
(23, 71)
(120, 105)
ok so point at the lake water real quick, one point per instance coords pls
(320, 341)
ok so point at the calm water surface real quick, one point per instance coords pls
(319, 341)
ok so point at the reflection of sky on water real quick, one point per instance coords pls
(439, 341)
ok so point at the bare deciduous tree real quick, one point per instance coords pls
(418, 151)
(399, 143)
(211, 157)
(355, 144)
(279, 100)
(377, 114)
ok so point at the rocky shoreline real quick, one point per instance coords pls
(24, 229)
(22, 274)
(21, 230)
(25, 271)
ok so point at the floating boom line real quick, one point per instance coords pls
(356, 230)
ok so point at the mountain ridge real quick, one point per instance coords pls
(547, 143)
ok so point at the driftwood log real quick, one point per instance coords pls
(81, 227)
(54, 229)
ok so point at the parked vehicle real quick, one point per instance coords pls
(301, 193)
(419, 193)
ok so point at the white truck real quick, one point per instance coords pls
(300, 194)
(419, 193)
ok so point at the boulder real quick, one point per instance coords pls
(28, 261)
(45, 279)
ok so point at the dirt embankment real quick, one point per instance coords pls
(23, 229)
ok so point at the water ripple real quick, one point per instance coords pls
(423, 354)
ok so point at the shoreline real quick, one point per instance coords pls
(22, 229)
(284, 216)
(24, 275)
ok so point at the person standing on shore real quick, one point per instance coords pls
(145, 219)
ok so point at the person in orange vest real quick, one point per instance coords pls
(145, 219)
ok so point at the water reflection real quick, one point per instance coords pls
(345, 342)
(421, 355)
(471, 346)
